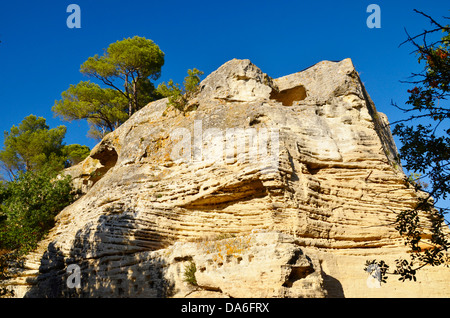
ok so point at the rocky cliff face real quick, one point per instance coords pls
(270, 188)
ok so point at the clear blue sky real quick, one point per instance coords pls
(40, 56)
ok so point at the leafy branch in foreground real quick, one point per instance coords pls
(377, 269)
(425, 152)
(405, 270)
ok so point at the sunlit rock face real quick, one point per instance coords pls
(270, 187)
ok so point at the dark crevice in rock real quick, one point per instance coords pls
(297, 273)
(223, 197)
(288, 96)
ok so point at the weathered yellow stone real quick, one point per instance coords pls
(301, 228)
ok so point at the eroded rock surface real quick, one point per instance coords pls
(300, 215)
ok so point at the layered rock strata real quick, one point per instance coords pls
(270, 187)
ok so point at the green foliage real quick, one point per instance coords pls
(32, 145)
(105, 109)
(28, 207)
(189, 273)
(174, 93)
(126, 68)
(33, 155)
(74, 154)
(132, 62)
(179, 97)
(192, 80)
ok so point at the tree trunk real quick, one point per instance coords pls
(130, 107)
(135, 95)
(130, 100)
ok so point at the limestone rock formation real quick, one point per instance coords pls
(270, 188)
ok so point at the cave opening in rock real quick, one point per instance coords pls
(288, 96)
(108, 159)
